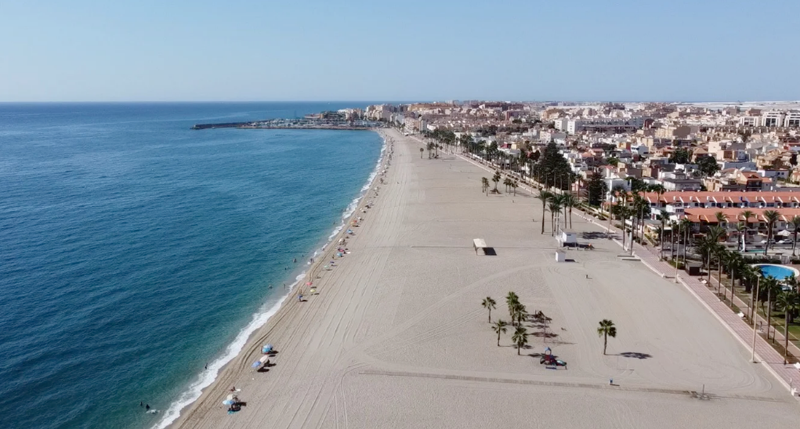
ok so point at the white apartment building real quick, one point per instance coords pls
(772, 119)
(604, 124)
(792, 119)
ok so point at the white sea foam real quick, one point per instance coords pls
(208, 376)
(260, 318)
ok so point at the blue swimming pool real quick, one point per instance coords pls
(780, 272)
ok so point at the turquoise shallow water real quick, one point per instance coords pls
(135, 250)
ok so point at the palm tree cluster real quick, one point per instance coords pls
(632, 205)
(517, 312)
(510, 184)
(557, 204)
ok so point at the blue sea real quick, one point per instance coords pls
(135, 251)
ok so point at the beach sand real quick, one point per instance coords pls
(397, 337)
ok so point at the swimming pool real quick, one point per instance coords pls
(780, 272)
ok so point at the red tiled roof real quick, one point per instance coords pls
(735, 214)
(736, 196)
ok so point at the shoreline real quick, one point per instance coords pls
(245, 338)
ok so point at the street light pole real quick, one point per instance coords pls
(755, 315)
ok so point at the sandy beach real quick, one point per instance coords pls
(396, 336)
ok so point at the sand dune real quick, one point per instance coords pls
(397, 336)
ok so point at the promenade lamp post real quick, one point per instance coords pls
(755, 316)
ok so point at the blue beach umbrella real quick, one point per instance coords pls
(255, 364)
(227, 402)
(267, 348)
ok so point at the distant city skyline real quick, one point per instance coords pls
(245, 50)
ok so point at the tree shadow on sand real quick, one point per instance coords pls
(635, 355)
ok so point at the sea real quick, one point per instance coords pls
(137, 255)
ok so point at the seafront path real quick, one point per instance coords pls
(788, 375)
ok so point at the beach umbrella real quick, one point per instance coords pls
(309, 283)
(227, 402)
(255, 364)
(230, 397)
(263, 359)
(267, 348)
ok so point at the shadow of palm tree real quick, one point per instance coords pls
(635, 355)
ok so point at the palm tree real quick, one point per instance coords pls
(485, 185)
(772, 288)
(606, 329)
(795, 222)
(511, 300)
(771, 216)
(500, 328)
(555, 208)
(674, 227)
(789, 302)
(722, 258)
(520, 313)
(663, 216)
(489, 303)
(430, 148)
(623, 213)
(641, 210)
(520, 338)
(720, 217)
(709, 244)
(686, 227)
(544, 196)
(569, 201)
(421, 151)
(496, 179)
(507, 183)
(741, 231)
(514, 186)
(735, 263)
(746, 215)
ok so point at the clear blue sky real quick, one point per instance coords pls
(261, 50)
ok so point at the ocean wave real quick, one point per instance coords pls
(259, 319)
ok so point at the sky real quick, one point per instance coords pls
(527, 50)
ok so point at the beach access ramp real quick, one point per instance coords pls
(480, 245)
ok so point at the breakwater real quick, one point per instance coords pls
(296, 124)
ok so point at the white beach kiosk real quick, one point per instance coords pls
(568, 238)
(478, 244)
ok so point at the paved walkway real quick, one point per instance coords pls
(787, 375)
